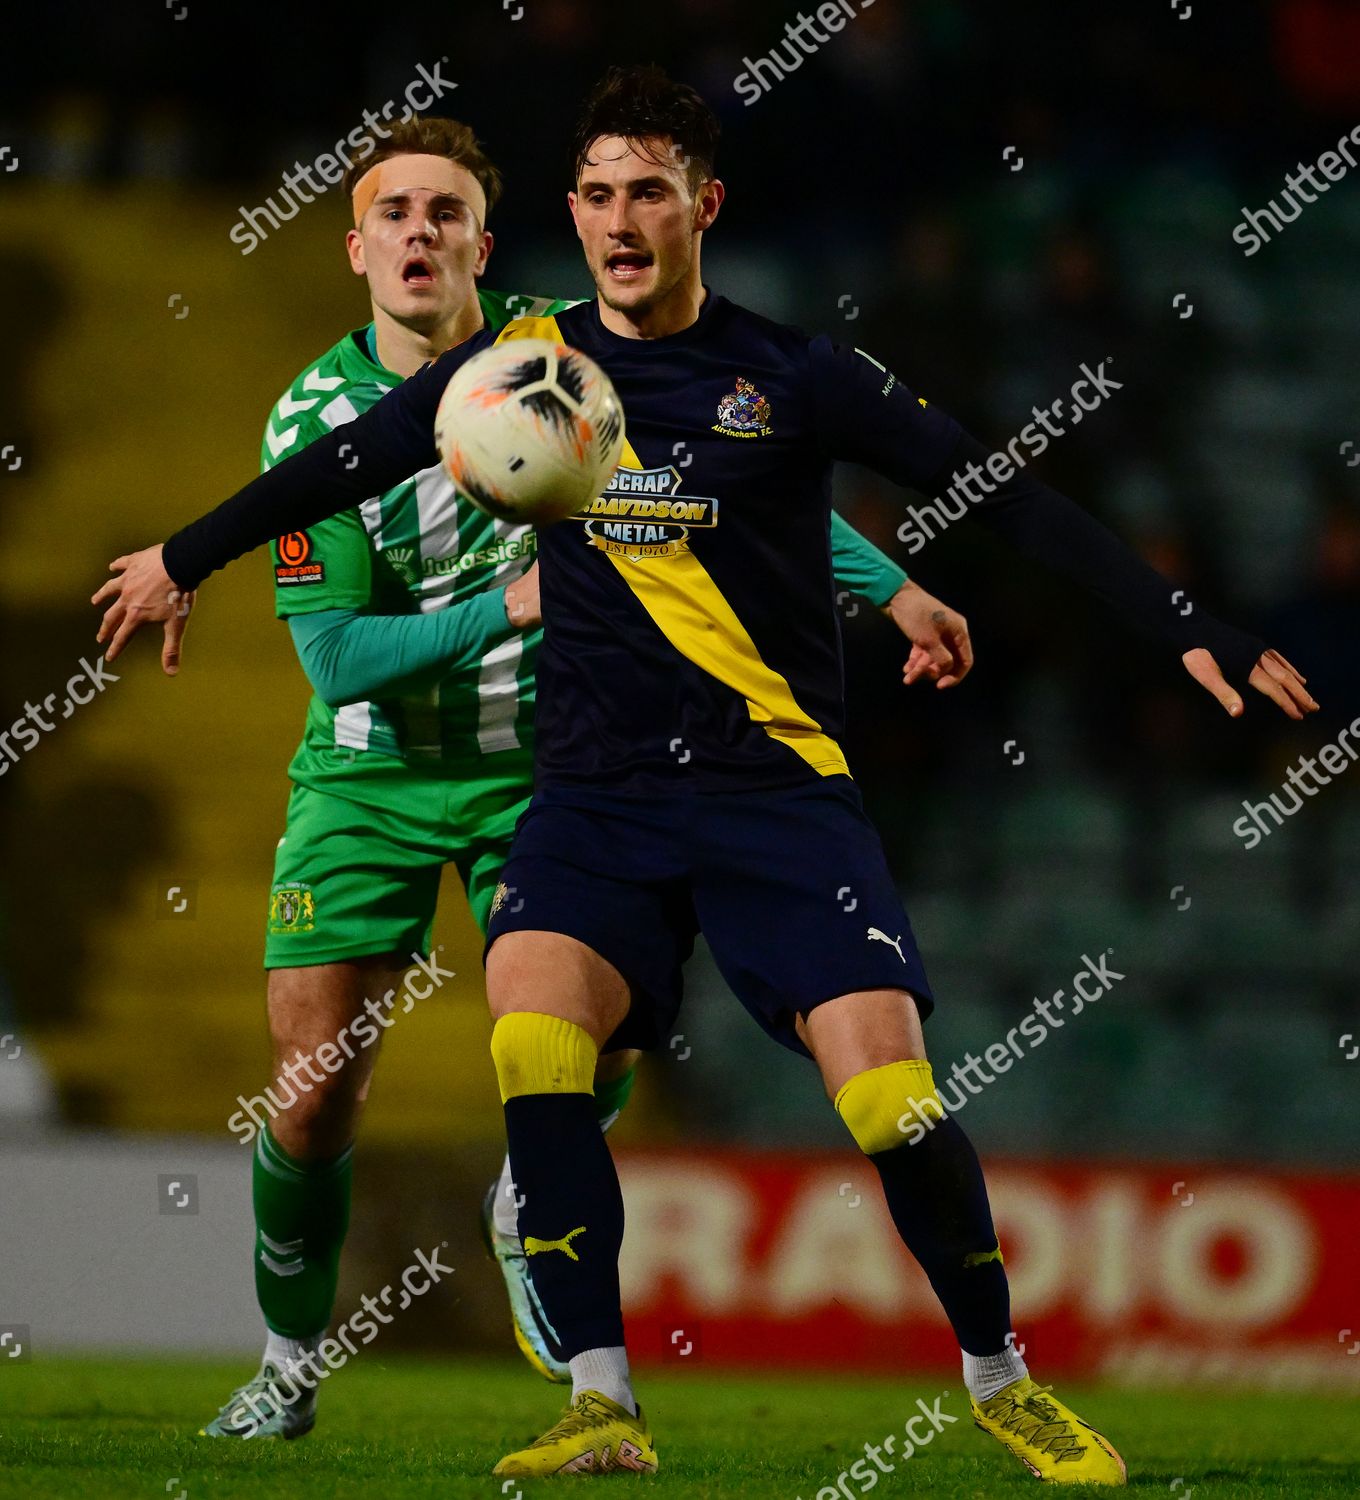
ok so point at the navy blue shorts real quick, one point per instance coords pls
(790, 888)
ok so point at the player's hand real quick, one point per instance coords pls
(941, 649)
(1272, 676)
(521, 601)
(142, 593)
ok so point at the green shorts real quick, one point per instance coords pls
(357, 869)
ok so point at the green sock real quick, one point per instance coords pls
(301, 1215)
(610, 1097)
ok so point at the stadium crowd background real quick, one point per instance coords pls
(869, 197)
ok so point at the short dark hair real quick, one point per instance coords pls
(432, 136)
(639, 102)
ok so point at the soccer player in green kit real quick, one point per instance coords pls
(415, 617)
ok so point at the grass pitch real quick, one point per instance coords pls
(115, 1429)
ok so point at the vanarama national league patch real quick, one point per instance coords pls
(295, 564)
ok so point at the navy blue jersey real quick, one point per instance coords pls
(690, 629)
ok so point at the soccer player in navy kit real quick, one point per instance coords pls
(689, 774)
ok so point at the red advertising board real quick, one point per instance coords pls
(1152, 1276)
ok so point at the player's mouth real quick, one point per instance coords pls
(418, 272)
(623, 266)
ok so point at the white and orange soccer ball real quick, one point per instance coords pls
(529, 430)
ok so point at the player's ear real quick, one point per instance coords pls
(484, 253)
(708, 202)
(354, 244)
(575, 218)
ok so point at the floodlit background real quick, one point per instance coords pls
(985, 197)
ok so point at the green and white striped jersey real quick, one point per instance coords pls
(420, 547)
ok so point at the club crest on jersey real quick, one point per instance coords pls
(499, 899)
(292, 908)
(744, 412)
(642, 514)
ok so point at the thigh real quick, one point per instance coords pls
(794, 894)
(606, 878)
(335, 1014)
(355, 875)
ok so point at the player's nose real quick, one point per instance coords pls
(620, 226)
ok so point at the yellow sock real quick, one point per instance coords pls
(890, 1106)
(538, 1054)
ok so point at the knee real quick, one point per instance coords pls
(890, 1106)
(316, 1108)
(553, 974)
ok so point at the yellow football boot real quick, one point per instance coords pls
(1050, 1439)
(594, 1435)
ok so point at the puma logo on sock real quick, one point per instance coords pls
(981, 1257)
(535, 1246)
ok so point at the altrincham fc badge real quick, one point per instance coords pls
(743, 413)
(292, 908)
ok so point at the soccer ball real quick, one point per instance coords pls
(529, 430)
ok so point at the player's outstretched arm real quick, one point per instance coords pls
(1049, 528)
(389, 442)
(866, 415)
